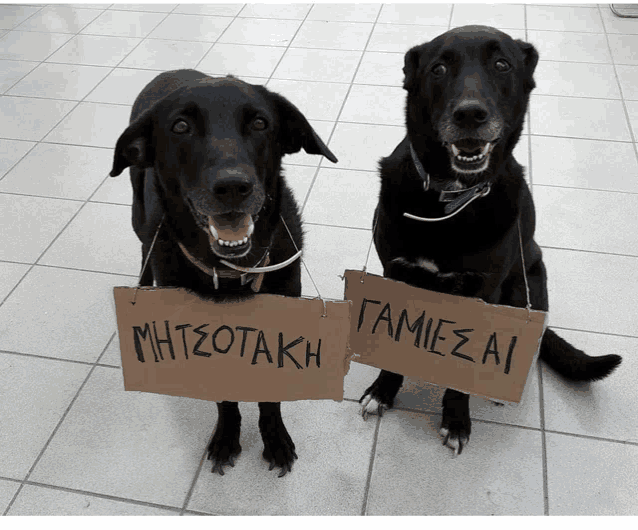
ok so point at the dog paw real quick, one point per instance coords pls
(455, 439)
(279, 449)
(370, 405)
(223, 450)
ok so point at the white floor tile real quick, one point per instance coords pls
(498, 473)
(596, 119)
(77, 321)
(586, 220)
(100, 238)
(591, 477)
(39, 500)
(190, 27)
(63, 171)
(96, 50)
(578, 163)
(36, 393)
(139, 446)
(328, 478)
(604, 409)
(8, 489)
(589, 291)
(30, 224)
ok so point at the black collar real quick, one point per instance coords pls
(457, 199)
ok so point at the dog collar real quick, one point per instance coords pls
(457, 200)
(255, 275)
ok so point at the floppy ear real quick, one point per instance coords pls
(295, 132)
(530, 60)
(411, 66)
(135, 147)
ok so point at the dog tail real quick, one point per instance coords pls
(574, 364)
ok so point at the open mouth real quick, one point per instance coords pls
(470, 155)
(230, 234)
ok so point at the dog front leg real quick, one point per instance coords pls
(224, 447)
(456, 425)
(279, 448)
(380, 395)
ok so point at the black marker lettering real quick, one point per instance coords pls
(283, 350)
(137, 332)
(437, 337)
(258, 350)
(232, 339)
(243, 340)
(183, 328)
(363, 308)
(316, 355)
(196, 350)
(167, 340)
(508, 362)
(417, 326)
(464, 339)
(388, 319)
(489, 351)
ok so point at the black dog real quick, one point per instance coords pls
(205, 156)
(468, 92)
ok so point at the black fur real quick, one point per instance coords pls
(468, 102)
(222, 162)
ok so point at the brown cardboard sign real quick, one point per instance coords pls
(267, 348)
(451, 341)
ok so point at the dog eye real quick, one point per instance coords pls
(259, 124)
(439, 69)
(502, 65)
(180, 127)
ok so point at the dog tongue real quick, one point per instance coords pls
(226, 229)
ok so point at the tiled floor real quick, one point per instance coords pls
(73, 442)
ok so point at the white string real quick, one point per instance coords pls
(520, 240)
(304, 264)
(150, 250)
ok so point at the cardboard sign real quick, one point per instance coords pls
(267, 348)
(451, 341)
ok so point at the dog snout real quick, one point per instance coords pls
(470, 112)
(232, 187)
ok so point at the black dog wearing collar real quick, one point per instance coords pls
(205, 156)
(452, 197)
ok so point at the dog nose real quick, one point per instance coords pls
(470, 112)
(232, 186)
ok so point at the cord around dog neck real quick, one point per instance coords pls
(457, 199)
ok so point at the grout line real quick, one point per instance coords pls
(93, 494)
(55, 430)
(622, 96)
(541, 403)
(343, 104)
(373, 452)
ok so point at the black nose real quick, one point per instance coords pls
(232, 187)
(470, 112)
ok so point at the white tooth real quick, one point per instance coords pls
(455, 150)
(244, 241)
(485, 149)
(233, 243)
(213, 231)
(251, 228)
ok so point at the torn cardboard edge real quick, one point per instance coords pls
(451, 341)
(264, 348)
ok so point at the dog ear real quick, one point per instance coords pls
(295, 131)
(134, 147)
(411, 66)
(530, 60)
